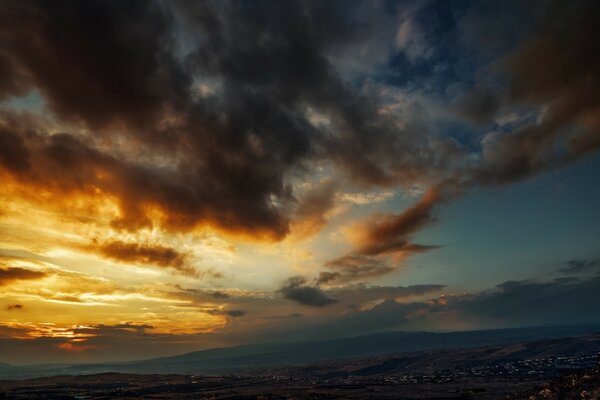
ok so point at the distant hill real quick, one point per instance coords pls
(582, 347)
(245, 358)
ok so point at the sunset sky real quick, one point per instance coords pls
(181, 175)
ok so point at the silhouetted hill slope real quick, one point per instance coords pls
(452, 359)
(263, 355)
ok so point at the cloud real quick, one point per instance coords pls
(381, 234)
(353, 268)
(59, 286)
(479, 104)
(297, 289)
(327, 276)
(510, 304)
(287, 316)
(235, 313)
(134, 43)
(581, 266)
(362, 294)
(9, 275)
(366, 198)
(411, 40)
(97, 41)
(309, 293)
(137, 328)
(223, 296)
(139, 131)
(11, 307)
(13, 154)
(62, 165)
(313, 207)
(387, 315)
(146, 254)
(531, 303)
(567, 92)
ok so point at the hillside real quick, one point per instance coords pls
(250, 357)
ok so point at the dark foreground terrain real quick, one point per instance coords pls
(581, 385)
(564, 368)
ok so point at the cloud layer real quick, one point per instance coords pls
(220, 109)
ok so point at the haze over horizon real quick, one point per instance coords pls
(184, 175)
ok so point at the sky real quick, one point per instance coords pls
(183, 175)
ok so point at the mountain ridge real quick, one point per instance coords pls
(261, 355)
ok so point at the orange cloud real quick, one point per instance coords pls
(389, 233)
(146, 254)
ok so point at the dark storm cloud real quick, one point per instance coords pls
(9, 275)
(13, 82)
(66, 165)
(103, 63)
(222, 91)
(555, 68)
(146, 254)
(297, 289)
(13, 154)
(11, 307)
